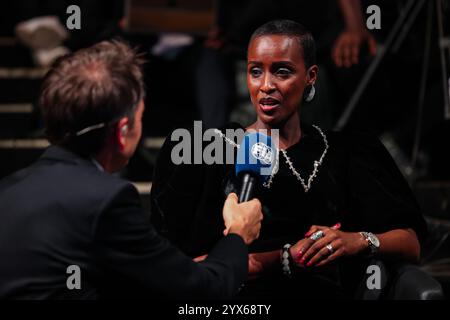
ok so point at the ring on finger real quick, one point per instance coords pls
(330, 248)
(317, 235)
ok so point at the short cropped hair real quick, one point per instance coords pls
(85, 93)
(294, 29)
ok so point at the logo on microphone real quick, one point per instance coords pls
(263, 152)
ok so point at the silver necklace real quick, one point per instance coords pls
(317, 163)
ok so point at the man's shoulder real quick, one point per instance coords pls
(62, 181)
(90, 180)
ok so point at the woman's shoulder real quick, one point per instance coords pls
(355, 142)
(363, 151)
(207, 148)
(190, 158)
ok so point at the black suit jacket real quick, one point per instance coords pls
(63, 211)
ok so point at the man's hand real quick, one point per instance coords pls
(346, 48)
(200, 258)
(255, 266)
(243, 219)
(255, 263)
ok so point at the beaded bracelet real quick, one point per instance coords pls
(285, 260)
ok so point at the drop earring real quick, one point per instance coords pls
(311, 94)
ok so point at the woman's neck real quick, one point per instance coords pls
(289, 132)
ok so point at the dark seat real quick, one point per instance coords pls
(401, 282)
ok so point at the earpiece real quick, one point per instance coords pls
(124, 130)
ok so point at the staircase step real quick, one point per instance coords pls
(12, 54)
(16, 108)
(144, 189)
(16, 120)
(21, 87)
(16, 154)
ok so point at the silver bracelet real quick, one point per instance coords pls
(285, 260)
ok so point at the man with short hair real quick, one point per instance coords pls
(65, 212)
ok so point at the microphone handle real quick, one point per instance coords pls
(248, 187)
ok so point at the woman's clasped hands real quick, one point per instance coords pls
(323, 245)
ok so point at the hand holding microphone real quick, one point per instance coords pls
(243, 219)
(255, 159)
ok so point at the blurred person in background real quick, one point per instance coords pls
(41, 25)
(343, 47)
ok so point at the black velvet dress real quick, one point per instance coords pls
(358, 185)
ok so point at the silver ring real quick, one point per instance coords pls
(317, 235)
(330, 248)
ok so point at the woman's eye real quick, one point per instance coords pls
(283, 72)
(255, 72)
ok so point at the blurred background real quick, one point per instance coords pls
(197, 71)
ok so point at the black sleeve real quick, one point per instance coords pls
(380, 197)
(130, 251)
(175, 195)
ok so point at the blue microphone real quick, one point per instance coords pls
(255, 160)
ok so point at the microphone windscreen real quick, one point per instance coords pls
(256, 155)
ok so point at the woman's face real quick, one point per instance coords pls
(277, 77)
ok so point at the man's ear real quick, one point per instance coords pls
(122, 132)
(312, 74)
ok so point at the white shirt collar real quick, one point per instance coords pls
(98, 165)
